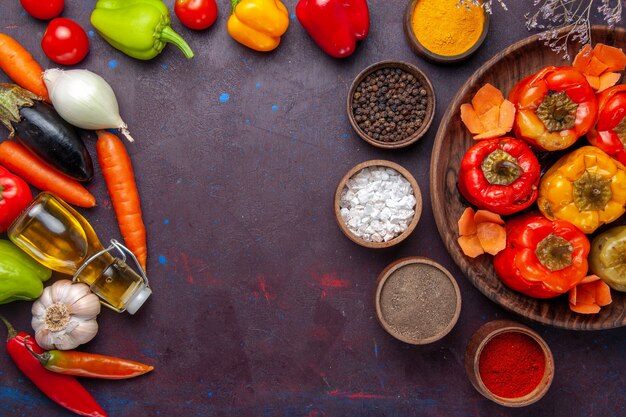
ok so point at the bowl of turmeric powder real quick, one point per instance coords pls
(445, 31)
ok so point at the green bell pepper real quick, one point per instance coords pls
(607, 258)
(139, 28)
(21, 277)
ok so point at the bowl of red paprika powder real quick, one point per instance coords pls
(509, 363)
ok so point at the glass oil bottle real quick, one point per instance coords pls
(57, 236)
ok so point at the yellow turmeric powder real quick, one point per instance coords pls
(446, 29)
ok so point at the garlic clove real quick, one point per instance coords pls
(65, 341)
(86, 307)
(46, 299)
(85, 331)
(59, 291)
(39, 309)
(45, 338)
(75, 293)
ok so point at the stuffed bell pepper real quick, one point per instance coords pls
(609, 134)
(500, 175)
(585, 187)
(608, 257)
(335, 25)
(542, 258)
(555, 107)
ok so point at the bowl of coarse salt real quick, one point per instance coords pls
(377, 204)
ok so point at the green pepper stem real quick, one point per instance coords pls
(43, 359)
(169, 35)
(234, 4)
(10, 328)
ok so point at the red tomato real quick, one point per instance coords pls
(65, 41)
(196, 14)
(43, 9)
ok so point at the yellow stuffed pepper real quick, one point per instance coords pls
(585, 187)
(258, 24)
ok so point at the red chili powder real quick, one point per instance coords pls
(511, 365)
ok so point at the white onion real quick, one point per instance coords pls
(84, 99)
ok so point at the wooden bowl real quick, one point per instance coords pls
(452, 141)
(401, 305)
(475, 347)
(430, 107)
(416, 192)
(421, 50)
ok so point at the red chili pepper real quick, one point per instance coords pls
(89, 365)
(500, 175)
(609, 134)
(555, 107)
(15, 196)
(335, 25)
(542, 258)
(65, 390)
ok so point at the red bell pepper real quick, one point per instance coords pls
(500, 175)
(555, 107)
(542, 258)
(335, 25)
(609, 134)
(15, 196)
(64, 390)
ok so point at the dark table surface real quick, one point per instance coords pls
(261, 307)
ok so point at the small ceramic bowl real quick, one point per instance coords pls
(417, 300)
(430, 107)
(472, 358)
(421, 50)
(416, 192)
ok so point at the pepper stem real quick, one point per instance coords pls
(43, 358)
(169, 35)
(234, 4)
(10, 328)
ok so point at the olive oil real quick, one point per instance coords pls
(58, 237)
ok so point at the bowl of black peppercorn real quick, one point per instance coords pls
(391, 104)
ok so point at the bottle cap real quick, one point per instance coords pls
(137, 299)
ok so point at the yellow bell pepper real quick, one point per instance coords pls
(258, 24)
(585, 187)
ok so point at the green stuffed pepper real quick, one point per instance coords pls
(21, 277)
(607, 258)
(139, 28)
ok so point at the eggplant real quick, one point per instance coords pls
(40, 129)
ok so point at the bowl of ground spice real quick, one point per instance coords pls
(377, 204)
(417, 300)
(509, 363)
(445, 31)
(391, 104)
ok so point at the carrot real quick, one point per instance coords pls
(470, 245)
(492, 237)
(589, 295)
(120, 179)
(20, 66)
(33, 170)
(482, 216)
(466, 223)
(489, 115)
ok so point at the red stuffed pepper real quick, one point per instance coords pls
(335, 25)
(15, 196)
(555, 107)
(609, 134)
(542, 258)
(500, 175)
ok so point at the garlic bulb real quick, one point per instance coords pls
(84, 99)
(64, 317)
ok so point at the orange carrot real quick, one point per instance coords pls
(20, 66)
(120, 179)
(466, 223)
(33, 170)
(470, 245)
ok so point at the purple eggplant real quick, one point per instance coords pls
(38, 127)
